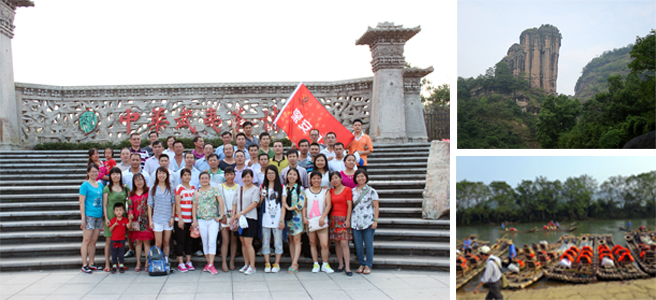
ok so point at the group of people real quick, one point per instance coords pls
(236, 193)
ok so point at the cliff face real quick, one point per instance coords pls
(537, 56)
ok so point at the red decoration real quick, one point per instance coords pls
(129, 117)
(270, 127)
(303, 112)
(158, 119)
(212, 119)
(183, 120)
(238, 118)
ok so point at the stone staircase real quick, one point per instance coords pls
(39, 212)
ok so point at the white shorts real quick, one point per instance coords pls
(159, 227)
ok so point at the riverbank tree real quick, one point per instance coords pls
(576, 198)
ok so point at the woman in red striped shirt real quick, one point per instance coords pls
(184, 202)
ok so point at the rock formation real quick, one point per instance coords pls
(536, 56)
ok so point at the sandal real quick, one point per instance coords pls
(360, 269)
(107, 269)
(291, 270)
(224, 268)
(367, 270)
(138, 269)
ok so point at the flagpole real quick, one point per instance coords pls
(288, 100)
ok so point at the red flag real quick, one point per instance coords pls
(304, 112)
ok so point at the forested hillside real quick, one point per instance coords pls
(498, 110)
(577, 198)
(594, 76)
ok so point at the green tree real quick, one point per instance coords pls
(557, 117)
(439, 98)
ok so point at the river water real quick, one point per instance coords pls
(493, 232)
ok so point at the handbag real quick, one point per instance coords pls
(289, 215)
(234, 223)
(504, 279)
(195, 233)
(314, 224)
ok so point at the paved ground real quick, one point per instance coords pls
(633, 289)
(379, 285)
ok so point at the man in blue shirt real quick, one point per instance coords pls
(512, 251)
(466, 245)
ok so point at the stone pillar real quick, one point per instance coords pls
(436, 192)
(388, 109)
(415, 126)
(9, 109)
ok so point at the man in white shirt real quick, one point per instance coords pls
(164, 163)
(315, 136)
(190, 158)
(178, 159)
(152, 163)
(492, 275)
(135, 168)
(337, 164)
(125, 160)
(292, 157)
(331, 139)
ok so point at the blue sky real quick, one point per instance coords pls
(514, 169)
(486, 29)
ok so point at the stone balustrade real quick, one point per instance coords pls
(110, 113)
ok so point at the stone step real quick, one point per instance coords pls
(45, 165)
(401, 165)
(51, 205)
(45, 182)
(383, 176)
(73, 262)
(397, 212)
(39, 215)
(80, 176)
(10, 198)
(28, 173)
(74, 224)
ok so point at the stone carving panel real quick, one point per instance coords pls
(51, 114)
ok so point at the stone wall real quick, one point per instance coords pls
(436, 193)
(55, 114)
(537, 56)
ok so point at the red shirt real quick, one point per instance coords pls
(109, 164)
(118, 234)
(340, 207)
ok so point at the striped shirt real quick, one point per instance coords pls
(186, 202)
(162, 203)
(143, 153)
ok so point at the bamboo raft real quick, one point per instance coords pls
(561, 229)
(642, 245)
(623, 267)
(583, 268)
(519, 231)
(474, 265)
(534, 265)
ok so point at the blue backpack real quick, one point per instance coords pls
(158, 264)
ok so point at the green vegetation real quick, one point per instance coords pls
(578, 198)
(594, 76)
(498, 110)
(439, 98)
(188, 143)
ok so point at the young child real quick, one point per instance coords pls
(119, 226)
(109, 162)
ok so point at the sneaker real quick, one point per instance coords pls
(213, 270)
(121, 268)
(267, 268)
(206, 269)
(113, 269)
(199, 253)
(275, 269)
(326, 268)
(86, 269)
(182, 268)
(130, 253)
(250, 271)
(93, 268)
(315, 268)
(243, 269)
(190, 266)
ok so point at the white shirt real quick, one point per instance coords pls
(152, 163)
(328, 153)
(271, 209)
(170, 153)
(194, 178)
(172, 179)
(127, 177)
(173, 165)
(492, 270)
